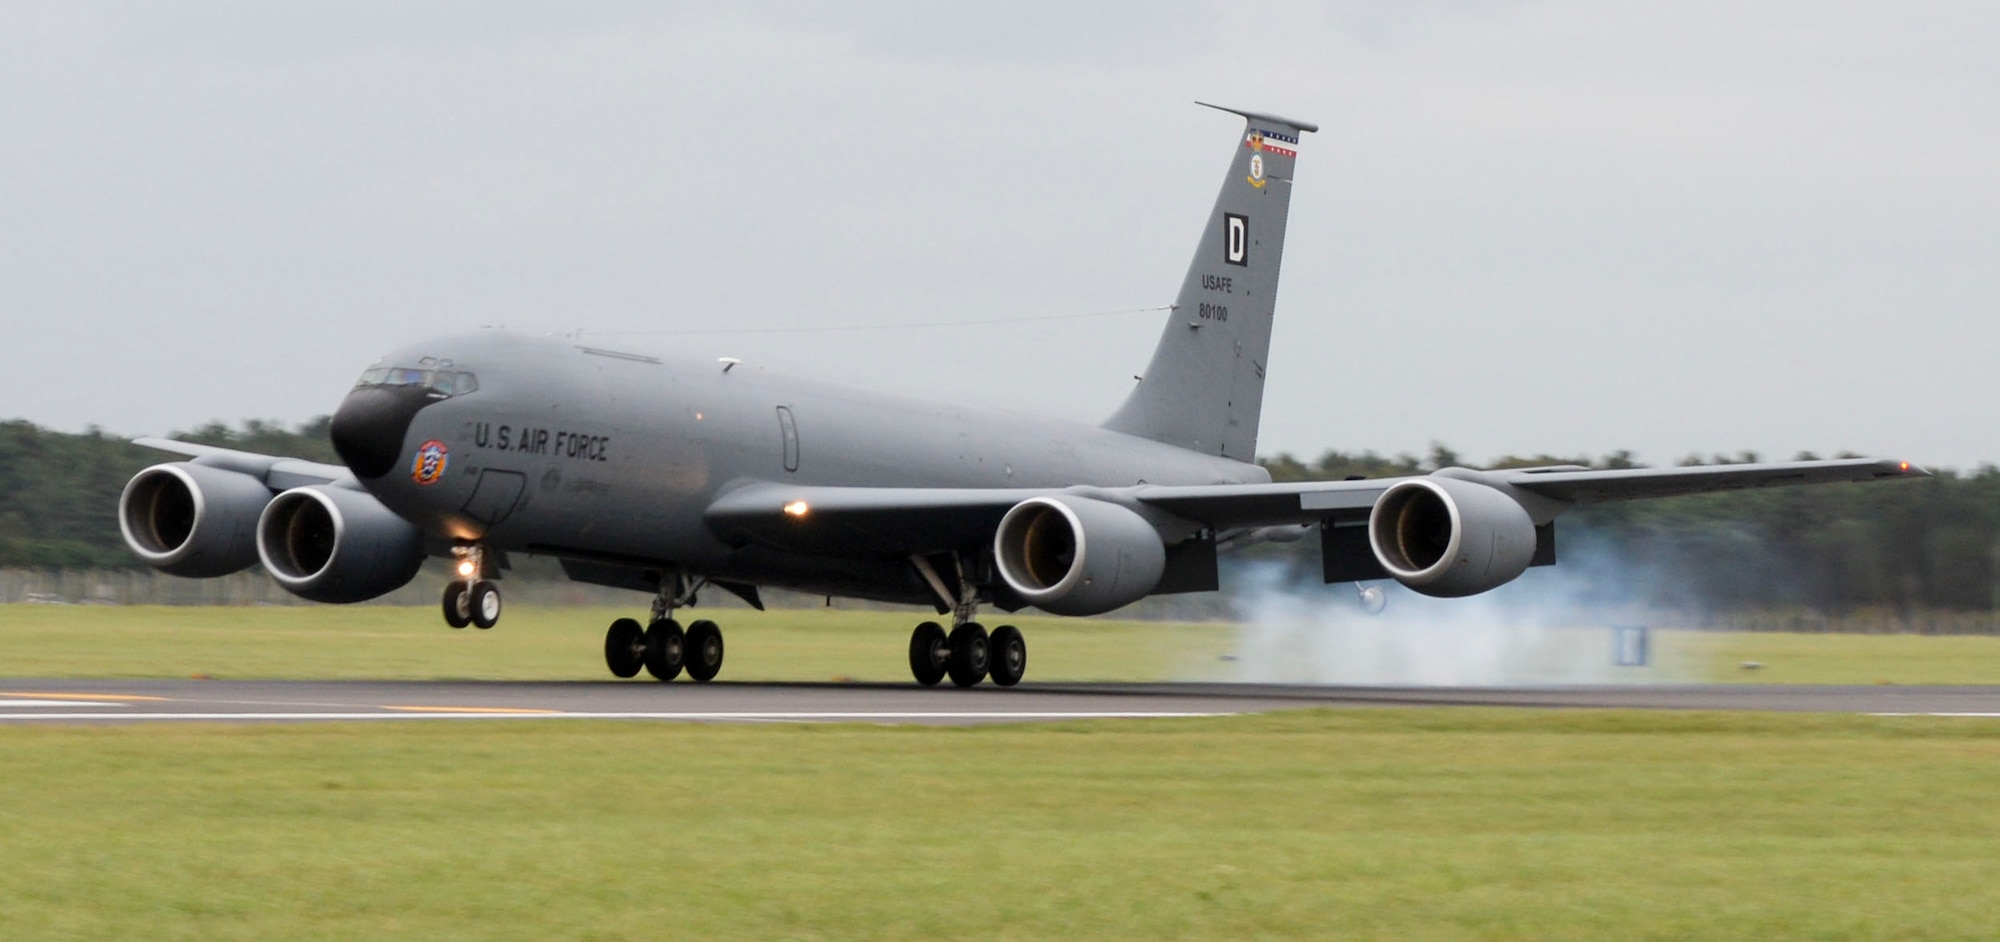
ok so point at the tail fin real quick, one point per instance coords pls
(1205, 386)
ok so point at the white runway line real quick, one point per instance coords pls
(756, 716)
(6, 702)
(1972, 715)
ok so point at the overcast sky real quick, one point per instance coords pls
(1549, 227)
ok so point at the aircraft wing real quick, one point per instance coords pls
(1237, 505)
(1580, 486)
(277, 473)
(905, 521)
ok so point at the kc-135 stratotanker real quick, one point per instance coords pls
(670, 476)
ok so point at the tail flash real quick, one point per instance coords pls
(1205, 386)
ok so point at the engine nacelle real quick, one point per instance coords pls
(1078, 556)
(331, 544)
(1449, 538)
(191, 519)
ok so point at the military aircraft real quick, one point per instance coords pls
(669, 476)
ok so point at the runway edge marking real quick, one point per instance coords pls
(507, 711)
(1988, 716)
(81, 697)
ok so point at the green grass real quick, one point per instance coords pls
(383, 642)
(1363, 824)
(815, 644)
(1836, 658)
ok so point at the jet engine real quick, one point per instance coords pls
(1078, 556)
(331, 544)
(191, 519)
(1449, 538)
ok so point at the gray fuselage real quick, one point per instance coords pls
(609, 457)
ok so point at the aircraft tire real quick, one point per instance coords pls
(484, 600)
(969, 654)
(666, 650)
(624, 648)
(457, 608)
(929, 653)
(1007, 651)
(704, 651)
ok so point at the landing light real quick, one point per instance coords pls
(465, 568)
(797, 508)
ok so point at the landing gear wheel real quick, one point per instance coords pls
(968, 654)
(1008, 652)
(484, 600)
(457, 607)
(929, 652)
(704, 651)
(666, 649)
(624, 648)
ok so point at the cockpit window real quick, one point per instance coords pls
(441, 383)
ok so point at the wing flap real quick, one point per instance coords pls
(903, 521)
(882, 521)
(1228, 506)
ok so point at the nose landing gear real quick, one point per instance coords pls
(471, 599)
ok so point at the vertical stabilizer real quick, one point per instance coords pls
(1205, 386)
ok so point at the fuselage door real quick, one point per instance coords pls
(789, 428)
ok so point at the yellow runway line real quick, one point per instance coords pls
(455, 709)
(80, 696)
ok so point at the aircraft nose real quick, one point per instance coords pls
(370, 425)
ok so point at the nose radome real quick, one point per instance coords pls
(369, 427)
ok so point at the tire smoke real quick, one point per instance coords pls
(1536, 630)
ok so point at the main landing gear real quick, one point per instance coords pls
(967, 654)
(662, 648)
(471, 599)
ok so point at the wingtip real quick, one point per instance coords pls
(1905, 469)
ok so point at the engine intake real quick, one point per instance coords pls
(191, 519)
(1449, 538)
(1078, 556)
(331, 544)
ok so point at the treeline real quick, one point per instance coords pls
(1931, 544)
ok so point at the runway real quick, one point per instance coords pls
(24, 701)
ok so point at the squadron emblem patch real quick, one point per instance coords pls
(432, 457)
(1256, 177)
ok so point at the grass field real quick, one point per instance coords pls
(384, 642)
(566, 643)
(1362, 824)
(1365, 824)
